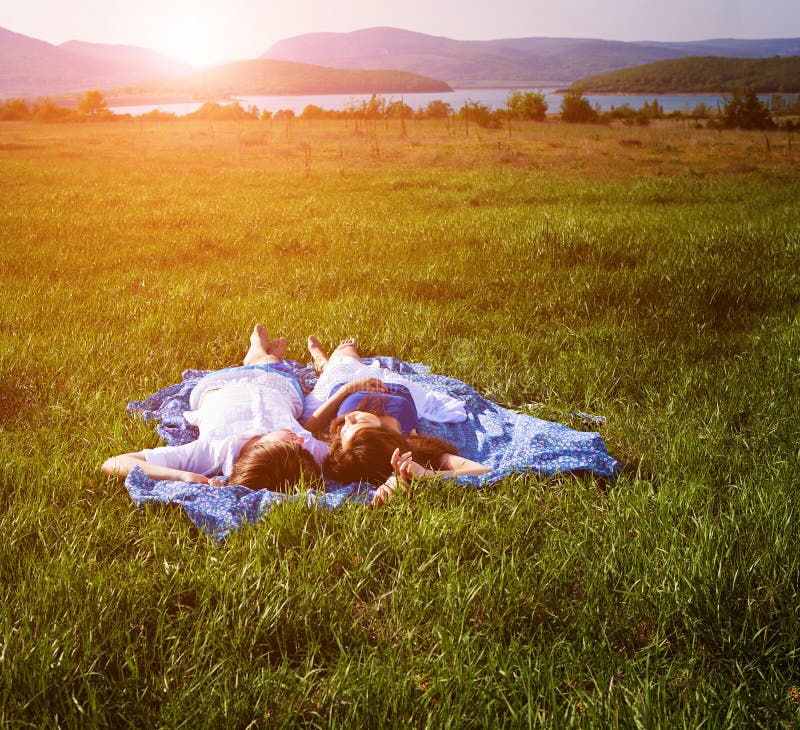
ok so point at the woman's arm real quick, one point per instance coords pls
(450, 465)
(453, 465)
(406, 468)
(122, 465)
(320, 419)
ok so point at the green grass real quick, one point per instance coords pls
(562, 268)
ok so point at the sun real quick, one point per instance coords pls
(191, 38)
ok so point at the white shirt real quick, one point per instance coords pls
(229, 407)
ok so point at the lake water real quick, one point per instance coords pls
(493, 98)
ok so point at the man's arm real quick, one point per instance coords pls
(123, 464)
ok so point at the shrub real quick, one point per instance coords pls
(48, 111)
(437, 109)
(743, 109)
(479, 114)
(576, 108)
(93, 103)
(156, 115)
(399, 110)
(217, 112)
(528, 105)
(312, 111)
(623, 113)
(14, 110)
(375, 108)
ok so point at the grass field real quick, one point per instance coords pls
(649, 275)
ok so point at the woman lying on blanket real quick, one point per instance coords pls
(374, 432)
(247, 419)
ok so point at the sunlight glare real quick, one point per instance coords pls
(190, 38)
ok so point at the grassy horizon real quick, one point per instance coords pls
(649, 275)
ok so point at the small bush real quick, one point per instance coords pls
(219, 113)
(576, 108)
(48, 111)
(158, 116)
(479, 114)
(744, 110)
(15, 110)
(529, 105)
(437, 109)
(93, 103)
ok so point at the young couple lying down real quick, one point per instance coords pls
(361, 424)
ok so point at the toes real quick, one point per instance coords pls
(349, 342)
(278, 347)
(260, 335)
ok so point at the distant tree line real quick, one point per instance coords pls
(92, 105)
(742, 109)
(520, 106)
(779, 74)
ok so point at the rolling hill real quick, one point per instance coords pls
(150, 63)
(708, 73)
(506, 62)
(30, 67)
(264, 77)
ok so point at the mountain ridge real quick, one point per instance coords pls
(144, 57)
(525, 61)
(30, 67)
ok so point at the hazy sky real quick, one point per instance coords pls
(206, 31)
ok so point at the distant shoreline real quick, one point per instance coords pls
(71, 100)
(151, 99)
(724, 92)
(129, 100)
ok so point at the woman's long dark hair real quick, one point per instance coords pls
(368, 456)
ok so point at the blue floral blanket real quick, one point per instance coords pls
(505, 441)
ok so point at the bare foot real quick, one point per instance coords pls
(344, 344)
(347, 348)
(277, 347)
(259, 345)
(317, 353)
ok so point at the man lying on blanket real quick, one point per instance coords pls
(249, 432)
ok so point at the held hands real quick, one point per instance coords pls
(366, 385)
(405, 469)
(387, 491)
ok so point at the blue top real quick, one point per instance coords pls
(397, 402)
